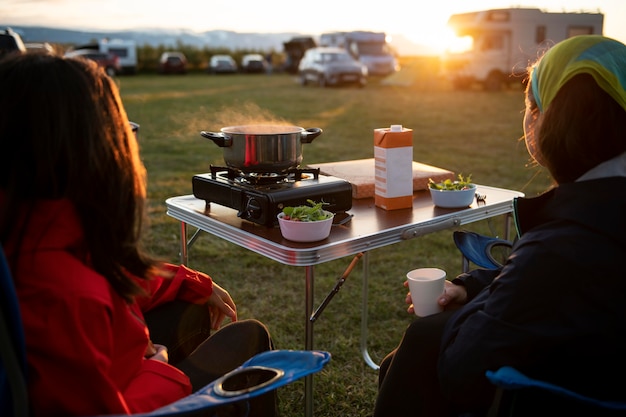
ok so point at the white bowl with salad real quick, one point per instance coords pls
(453, 194)
(305, 223)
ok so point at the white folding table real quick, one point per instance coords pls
(370, 228)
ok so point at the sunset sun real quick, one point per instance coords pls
(439, 39)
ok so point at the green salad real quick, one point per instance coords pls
(311, 213)
(463, 183)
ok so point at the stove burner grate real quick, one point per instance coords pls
(263, 178)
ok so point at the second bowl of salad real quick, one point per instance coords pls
(453, 194)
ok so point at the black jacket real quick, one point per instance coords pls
(557, 309)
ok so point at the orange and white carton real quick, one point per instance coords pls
(393, 162)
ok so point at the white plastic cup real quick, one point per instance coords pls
(426, 286)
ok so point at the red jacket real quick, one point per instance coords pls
(85, 344)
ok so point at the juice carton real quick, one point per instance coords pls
(393, 160)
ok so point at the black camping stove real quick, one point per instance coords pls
(260, 197)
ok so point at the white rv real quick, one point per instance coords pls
(506, 41)
(371, 48)
(126, 51)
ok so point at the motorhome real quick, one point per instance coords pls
(506, 41)
(294, 51)
(125, 50)
(371, 48)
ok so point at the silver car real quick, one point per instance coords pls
(222, 64)
(326, 66)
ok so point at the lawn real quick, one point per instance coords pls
(468, 132)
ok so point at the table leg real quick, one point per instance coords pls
(308, 339)
(507, 226)
(364, 308)
(183, 243)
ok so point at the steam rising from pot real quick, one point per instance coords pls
(246, 114)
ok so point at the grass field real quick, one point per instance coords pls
(468, 132)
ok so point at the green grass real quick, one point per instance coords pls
(468, 132)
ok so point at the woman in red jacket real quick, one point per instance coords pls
(72, 195)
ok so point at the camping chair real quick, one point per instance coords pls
(483, 251)
(518, 394)
(262, 373)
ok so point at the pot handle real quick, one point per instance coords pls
(221, 139)
(309, 134)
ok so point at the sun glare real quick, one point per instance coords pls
(441, 40)
(459, 44)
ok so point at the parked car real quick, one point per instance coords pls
(330, 66)
(222, 64)
(253, 63)
(10, 41)
(43, 47)
(173, 63)
(108, 61)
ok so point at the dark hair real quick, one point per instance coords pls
(64, 134)
(582, 127)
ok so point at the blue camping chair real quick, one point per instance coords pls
(518, 394)
(262, 373)
(481, 250)
(13, 393)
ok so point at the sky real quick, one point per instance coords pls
(420, 22)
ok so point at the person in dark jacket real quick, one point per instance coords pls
(556, 310)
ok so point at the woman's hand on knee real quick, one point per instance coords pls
(221, 305)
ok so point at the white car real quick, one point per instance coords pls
(326, 66)
(253, 63)
(222, 64)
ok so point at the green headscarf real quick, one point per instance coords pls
(602, 58)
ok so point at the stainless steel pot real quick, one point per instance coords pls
(262, 148)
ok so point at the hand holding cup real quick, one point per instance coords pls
(426, 286)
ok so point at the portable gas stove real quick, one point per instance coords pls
(260, 197)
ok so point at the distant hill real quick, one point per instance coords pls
(172, 38)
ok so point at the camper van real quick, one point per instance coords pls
(505, 41)
(125, 50)
(371, 48)
(294, 51)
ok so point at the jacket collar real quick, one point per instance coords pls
(597, 204)
(615, 167)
